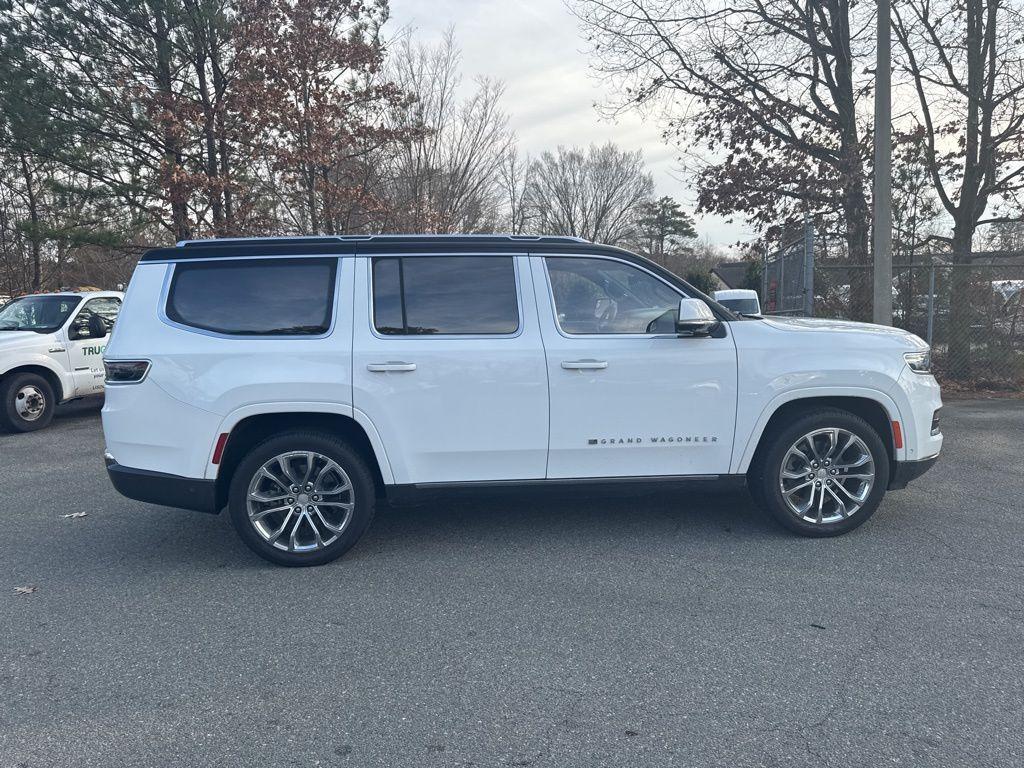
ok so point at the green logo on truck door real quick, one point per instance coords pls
(93, 350)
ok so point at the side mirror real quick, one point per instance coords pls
(97, 327)
(695, 318)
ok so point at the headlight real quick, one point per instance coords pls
(920, 362)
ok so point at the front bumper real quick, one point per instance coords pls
(167, 490)
(905, 471)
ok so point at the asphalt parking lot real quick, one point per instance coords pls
(640, 631)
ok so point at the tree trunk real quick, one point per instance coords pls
(220, 87)
(172, 154)
(958, 354)
(851, 170)
(858, 244)
(33, 213)
(210, 139)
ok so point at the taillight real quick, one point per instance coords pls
(125, 371)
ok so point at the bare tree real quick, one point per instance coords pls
(595, 194)
(965, 61)
(445, 177)
(514, 172)
(771, 90)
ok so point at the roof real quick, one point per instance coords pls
(732, 273)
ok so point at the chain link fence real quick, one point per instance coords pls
(971, 314)
(787, 280)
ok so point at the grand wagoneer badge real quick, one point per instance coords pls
(651, 440)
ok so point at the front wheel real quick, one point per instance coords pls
(27, 402)
(302, 498)
(822, 475)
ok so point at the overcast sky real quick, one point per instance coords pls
(535, 47)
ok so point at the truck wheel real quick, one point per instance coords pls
(27, 402)
(822, 475)
(302, 498)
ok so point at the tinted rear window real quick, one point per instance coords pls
(257, 297)
(445, 295)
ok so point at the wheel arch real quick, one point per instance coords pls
(875, 408)
(51, 376)
(252, 429)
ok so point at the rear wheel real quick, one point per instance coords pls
(302, 498)
(27, 402)
(823, 474)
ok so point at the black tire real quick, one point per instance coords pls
(763, 477)
(349, 460)
(12, 395)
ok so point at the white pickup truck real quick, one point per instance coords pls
(51, 351)
(296, 380)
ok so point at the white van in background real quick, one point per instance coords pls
(742, 301)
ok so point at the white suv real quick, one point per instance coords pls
(298, 380)
(51, 350)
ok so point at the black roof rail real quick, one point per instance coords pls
(227, 241)
(408, 238)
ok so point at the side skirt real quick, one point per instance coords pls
(417, 493)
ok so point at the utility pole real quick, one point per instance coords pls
(882, 216)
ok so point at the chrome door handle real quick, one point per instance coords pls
(584, 365)
(391, 365)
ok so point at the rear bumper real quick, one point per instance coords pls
(167, 490)
(905, 471)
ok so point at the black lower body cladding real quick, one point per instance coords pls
(905, 471)
(166, 490)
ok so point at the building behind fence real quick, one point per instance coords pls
(989, 290)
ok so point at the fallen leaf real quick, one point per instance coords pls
(75, 514)
(24, 590)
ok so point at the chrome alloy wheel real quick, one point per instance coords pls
(827, 475)
(30, 402)
(300, 501)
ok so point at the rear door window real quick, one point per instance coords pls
(254, 297)
(457, 295)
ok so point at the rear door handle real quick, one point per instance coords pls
(584, 365)
(391, 365)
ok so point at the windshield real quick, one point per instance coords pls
(42, 314)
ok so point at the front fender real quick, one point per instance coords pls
(743, 452)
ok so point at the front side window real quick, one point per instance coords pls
(43, 314)
(105, 309)
(254, 297)
(598, 296)
(459, 295)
